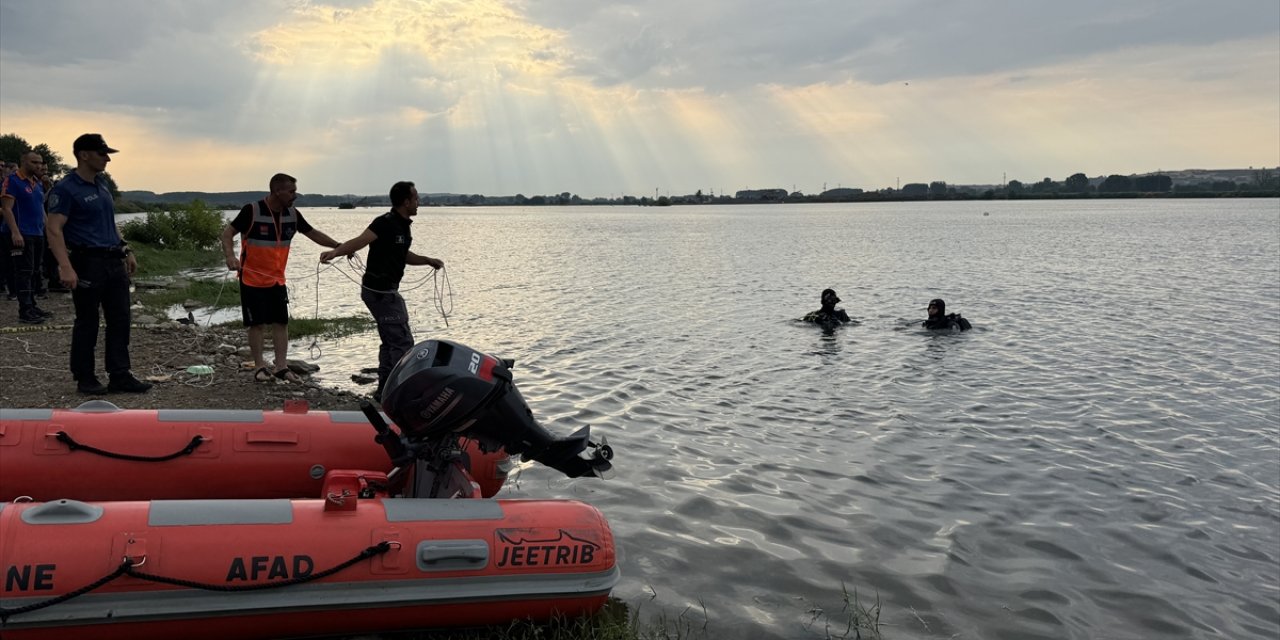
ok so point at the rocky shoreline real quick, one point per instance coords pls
(34, 374)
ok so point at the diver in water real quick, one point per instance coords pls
(828, 315)
(939, 318)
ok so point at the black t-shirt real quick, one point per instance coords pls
(388, 253)
(244, 219)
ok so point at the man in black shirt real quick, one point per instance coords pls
(388, 238)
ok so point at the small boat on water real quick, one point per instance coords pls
(360, 557)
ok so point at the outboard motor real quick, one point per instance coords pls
(441, 389)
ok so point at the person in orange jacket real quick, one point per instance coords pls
(266, 230)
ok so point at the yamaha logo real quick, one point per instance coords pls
(421, 354)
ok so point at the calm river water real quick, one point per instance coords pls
(1098, 458)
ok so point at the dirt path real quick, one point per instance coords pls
(34, 373)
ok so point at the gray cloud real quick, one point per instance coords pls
(679, 44)
(169, 60)
(57, 32)
(187, 67)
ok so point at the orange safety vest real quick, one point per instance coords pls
(264, 248)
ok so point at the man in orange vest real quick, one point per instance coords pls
(267, 228)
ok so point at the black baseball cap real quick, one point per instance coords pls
(91, 142)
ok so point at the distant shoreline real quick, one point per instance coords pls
(1261, 182)
(868, 197)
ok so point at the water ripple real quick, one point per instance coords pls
(1099, 457)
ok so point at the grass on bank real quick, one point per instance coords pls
(221, 293)
(617, 621)
(158, 261)
(154, 260)
(329, 328)
(613, 622)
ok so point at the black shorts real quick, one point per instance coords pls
(264, 305)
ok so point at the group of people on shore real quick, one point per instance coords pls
(829, 316)
(25, 262)
(76, 221)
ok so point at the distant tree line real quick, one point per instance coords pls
(1262, 182)
(12, 146)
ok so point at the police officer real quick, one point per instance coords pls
(95, 263)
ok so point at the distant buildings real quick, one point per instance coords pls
(842, 193)
(761, 195)
(915, 190)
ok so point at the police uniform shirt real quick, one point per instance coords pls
(388, 253)
(91, 215)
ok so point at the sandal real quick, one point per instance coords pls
(287, 375)
(262, 375)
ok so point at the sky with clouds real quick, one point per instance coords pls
(604, 98)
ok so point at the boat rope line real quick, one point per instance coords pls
(65, 438)
(127, 567)
(314, 349)
(441, 286)
(209, 321)
(5, 614)
(442, 291)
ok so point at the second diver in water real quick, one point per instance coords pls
(828, 315)
(939, 319)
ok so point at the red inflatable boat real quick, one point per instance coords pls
(374, 550)
(99, 452)
(285, 568)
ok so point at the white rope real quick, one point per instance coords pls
(442, 289)
(188, 345)
(439, 278)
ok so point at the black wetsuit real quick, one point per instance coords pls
(949, 321)
(827, 316)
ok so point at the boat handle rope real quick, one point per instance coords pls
(127, 567)
(66, 439)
